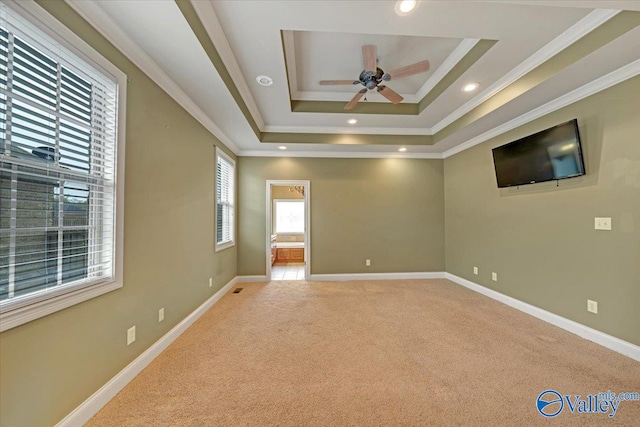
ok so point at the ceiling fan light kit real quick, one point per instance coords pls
(372, 76)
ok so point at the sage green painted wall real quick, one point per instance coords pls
(388, 210)
(51, 365)
(540, 238)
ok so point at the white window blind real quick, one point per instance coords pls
(289, 216)
(57, 167)
(225, 207)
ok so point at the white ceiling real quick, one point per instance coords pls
(323, 40)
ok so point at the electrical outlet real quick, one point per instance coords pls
(131, 335)
(475, 270)
(602, 224)
(367, 263)
(592, 306)
(494, 277)
(161, 314)
(210, 282)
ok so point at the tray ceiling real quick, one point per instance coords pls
(524, 56)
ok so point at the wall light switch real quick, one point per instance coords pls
(475, 270)
(131, 335)
(494, 277)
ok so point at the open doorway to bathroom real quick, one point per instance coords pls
(288, 230)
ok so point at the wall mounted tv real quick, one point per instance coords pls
(549, 155)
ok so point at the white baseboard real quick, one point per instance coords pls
(616, 344)
(97, 400)
(248, 279)
(376, 276)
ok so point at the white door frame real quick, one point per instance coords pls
(307, 222)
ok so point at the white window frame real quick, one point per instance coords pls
(275, 216)
(232, 242)
(43, 303)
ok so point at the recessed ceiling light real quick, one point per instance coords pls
(405, 7)
(282, 147)
(264, 80)
(402, 149)
(470, 87)
(352, 121)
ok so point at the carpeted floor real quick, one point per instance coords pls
(369, 353)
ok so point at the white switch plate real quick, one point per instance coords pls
(494, 277)
(161, 314)
(603, 223)
(592, 306)
(210, 282)
(475, 270)
(368, 263)
(131, 335)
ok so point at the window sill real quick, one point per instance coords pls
(223, 246)
(22, 315)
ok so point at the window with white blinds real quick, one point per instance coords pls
(225, 207)
(58, 134)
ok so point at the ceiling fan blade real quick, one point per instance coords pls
(355, 99)
(390, 94)
(338, 82)
(370, 54)
(410, 70)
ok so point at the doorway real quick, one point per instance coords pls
(288, 230)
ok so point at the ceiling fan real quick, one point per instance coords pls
(372, 76)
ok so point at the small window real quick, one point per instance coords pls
(60, 142)
(289, 215)
(225, 206)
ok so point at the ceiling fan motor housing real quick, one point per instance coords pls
(371, 80)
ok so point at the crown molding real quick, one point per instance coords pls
(621, 74)
(99, 20)
(341, 155)
(212, 26)
(372, 96)
(288, 47)
(354, 130)
(452, 60)
(587, 24)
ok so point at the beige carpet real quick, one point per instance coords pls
(369, 353)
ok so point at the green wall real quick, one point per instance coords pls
(388, 210)
(540, 238)
(51, 365)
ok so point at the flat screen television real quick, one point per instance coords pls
(549, 155)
